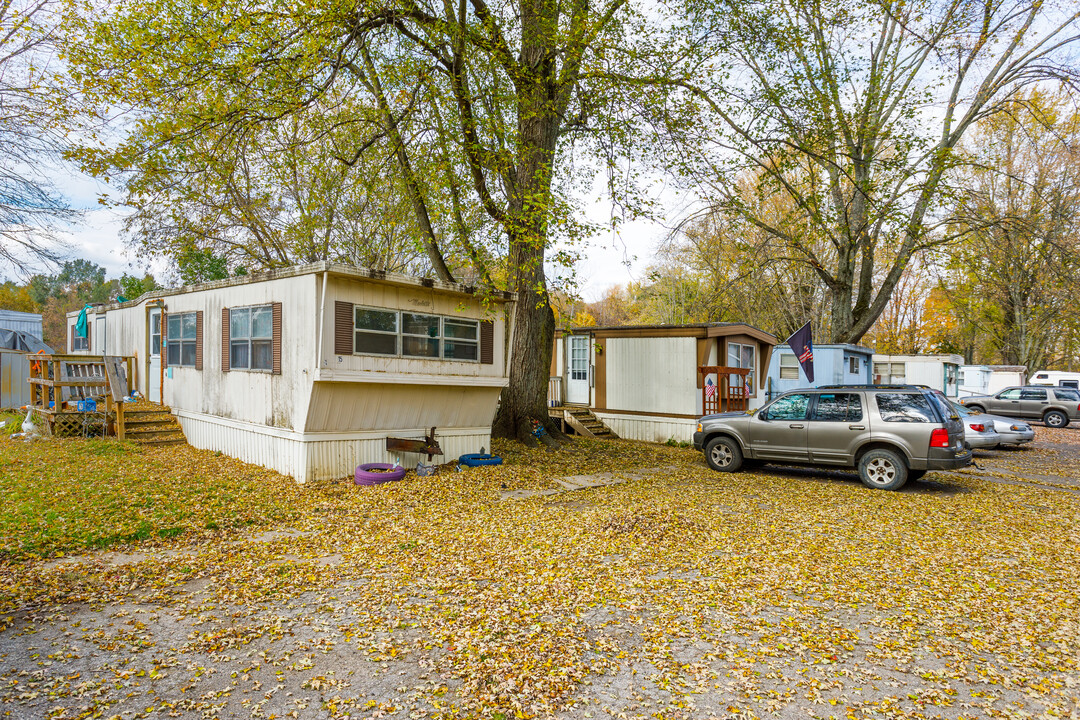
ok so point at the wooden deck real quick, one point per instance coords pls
(64, 388)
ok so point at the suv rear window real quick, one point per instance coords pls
(1067, 394)
(905, 407)
(838, 407)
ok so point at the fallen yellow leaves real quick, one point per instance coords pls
(680, 593)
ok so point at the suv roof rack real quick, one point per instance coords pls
(871, 387)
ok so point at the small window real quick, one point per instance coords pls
(155, 334)
(1066, 394)
(462, 339)
(789, 407)
(251, 338)
(905, 407)
(789, 367)
(180, 339)
(1032, 394)
(853, 365)
(419, 335)
(889, 373)
(1010, 394)
(838, 407)
(80, 343)
(376, 331)
(1041, 376)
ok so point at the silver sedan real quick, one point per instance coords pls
(1010, 431)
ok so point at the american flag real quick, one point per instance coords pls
(710, 388)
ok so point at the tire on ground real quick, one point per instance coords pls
(1056, 419)
(723, 454)
(882, 469)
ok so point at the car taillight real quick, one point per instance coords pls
(978, 427)
(939, 438)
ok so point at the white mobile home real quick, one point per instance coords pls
(1059, 378)
(309, 370)
(653, 382)
(941, 372)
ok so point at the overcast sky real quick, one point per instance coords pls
(611, 259)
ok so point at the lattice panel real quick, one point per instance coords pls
(78, 425)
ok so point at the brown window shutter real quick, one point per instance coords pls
(71, 345)
(344, 324)
(198, 340)
(487, 342)
(89, 324)
(224, 339)
(277, 338)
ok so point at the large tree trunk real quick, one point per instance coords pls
(525, 399)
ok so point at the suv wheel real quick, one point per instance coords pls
(976, 408)
(1056, 419)
(882, 470)
(723, 454)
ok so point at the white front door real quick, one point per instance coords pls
(153, 371)
(577, 370)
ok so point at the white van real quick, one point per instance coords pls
(1057, 378)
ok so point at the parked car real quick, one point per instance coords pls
(980, 434)
(1055, 406)
(890, 433)
(1010, 431)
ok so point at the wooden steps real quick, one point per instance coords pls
(582, 420)
(153, 427)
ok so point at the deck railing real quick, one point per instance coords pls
(555, 391)
(727, 393)
(62, 385)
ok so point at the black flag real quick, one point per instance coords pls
(802, 344)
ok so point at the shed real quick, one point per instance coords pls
(941, 372)
(20, 335)
(653, 382)
(309, 370)
(24, 322)
(839, 364)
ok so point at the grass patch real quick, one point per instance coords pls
(68, 495)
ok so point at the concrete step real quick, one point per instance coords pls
(163, 433)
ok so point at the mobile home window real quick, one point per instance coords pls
(789, 367)
(251, 338)
(461, 339)
(853, 365)
(741, 356)
(80, 343)
(376, 331)
(420, 335)
(415, 335)
(180, 340)
(889, 373)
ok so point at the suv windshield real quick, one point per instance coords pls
(905, 407)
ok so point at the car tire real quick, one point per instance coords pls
(883, 469)
(976, 408)
(723, 454)
(1056, 419)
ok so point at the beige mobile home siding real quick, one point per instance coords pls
(653, 374)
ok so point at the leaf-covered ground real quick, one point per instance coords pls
(680, 594)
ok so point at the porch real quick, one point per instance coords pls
(724, 389)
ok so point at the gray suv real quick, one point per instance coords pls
(1055, 406)
(890, 433)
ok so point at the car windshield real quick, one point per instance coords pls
(964, 412)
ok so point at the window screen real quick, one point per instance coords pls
(376, 332)
(789, 367)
